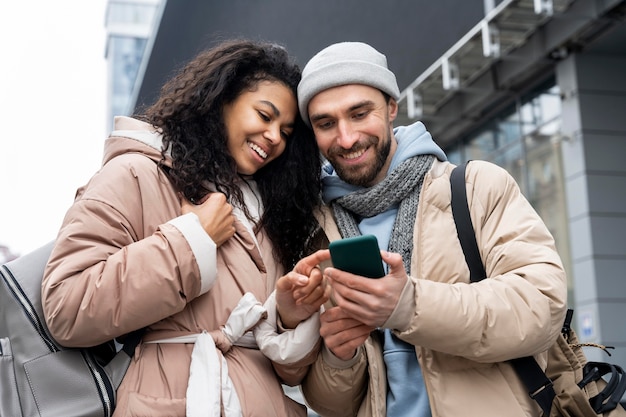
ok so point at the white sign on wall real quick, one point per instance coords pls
(587, 324)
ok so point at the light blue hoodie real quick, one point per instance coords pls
(406, 393)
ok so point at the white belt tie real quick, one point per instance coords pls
(250, 325)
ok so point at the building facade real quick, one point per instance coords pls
(129, 25)
(536, 87)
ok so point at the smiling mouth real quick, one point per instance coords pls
(256, 148)
(355, 154)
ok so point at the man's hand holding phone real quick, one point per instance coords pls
(362, 303)
(371, 301)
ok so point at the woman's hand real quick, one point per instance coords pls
(216, 216)
(301, 292)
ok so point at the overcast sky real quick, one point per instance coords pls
(52, 119)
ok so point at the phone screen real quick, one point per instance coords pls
(358, 255)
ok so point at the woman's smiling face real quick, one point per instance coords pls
(258, 124)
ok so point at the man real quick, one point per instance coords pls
(422, 340)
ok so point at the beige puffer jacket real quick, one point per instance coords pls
(125, 258)
(462, 333)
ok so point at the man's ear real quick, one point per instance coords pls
(392, 107)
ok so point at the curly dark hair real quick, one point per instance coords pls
(189, 113)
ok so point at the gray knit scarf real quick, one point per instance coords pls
(403, 186)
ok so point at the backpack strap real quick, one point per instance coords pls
(464, 226)
(539, 386)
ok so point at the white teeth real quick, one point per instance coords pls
(258, 150)
(354, 154)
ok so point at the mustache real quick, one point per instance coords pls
(358, 146)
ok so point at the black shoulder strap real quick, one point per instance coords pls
(530, 373)
(464, 227)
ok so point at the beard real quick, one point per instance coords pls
(361, 175)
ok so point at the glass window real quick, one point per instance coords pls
(512, 159)
(126, 11)
(125, 57)
(525, 141)
(455, 155)
(482, 145)
(540, 109)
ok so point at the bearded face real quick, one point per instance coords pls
(363, 174)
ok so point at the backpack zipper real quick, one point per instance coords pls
(28, 308)
(105, 389)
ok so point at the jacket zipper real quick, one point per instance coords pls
(105, 389)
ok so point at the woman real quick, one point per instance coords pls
(207, 196)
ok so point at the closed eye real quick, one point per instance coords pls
(265, 117)
(285, 134)
(361, 114)
(324, 125)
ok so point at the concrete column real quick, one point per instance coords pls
(594, 157)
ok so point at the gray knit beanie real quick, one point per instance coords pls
(344, 63)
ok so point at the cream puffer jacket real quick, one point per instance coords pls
(463, 333)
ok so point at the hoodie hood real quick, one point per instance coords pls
(133, 136)
(412, 140)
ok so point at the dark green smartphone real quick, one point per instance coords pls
(358, 255)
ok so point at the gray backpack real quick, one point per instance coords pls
(39, 377)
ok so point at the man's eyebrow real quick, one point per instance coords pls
(318, 117)
(364, 103)
(356, 106)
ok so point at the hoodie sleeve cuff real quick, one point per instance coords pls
(337, 363)
(202, 246)
(400, 318)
